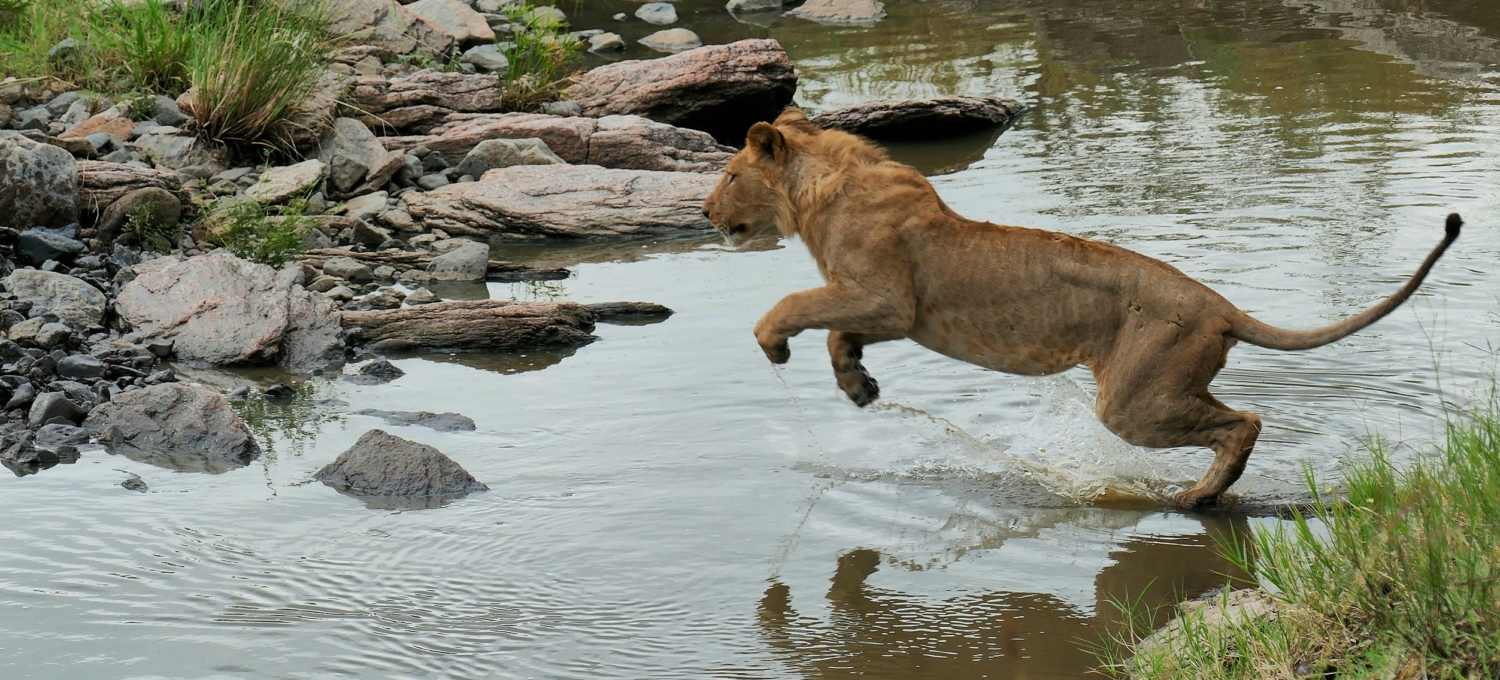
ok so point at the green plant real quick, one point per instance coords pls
(254, 233)
(537, 59)
(148, 231)
(150, 43)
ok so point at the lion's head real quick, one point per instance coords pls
(745, 203)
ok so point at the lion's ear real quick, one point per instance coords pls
(767, 141)
(791, 115)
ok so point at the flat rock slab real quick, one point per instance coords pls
(101, 183)
(624, 142)
(499, 270)
(178, 426)
(473, 325)
(389, 472)
(720, 89)
(897, 119)
(841, 11)
(568, 201)
(409, 102)
(442, 422)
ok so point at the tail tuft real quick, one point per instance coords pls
(1454, 224)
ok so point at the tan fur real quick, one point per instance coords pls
(899, 263)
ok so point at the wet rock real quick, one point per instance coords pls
(221, 310)
(570, 201)
(159, 206)
(280, 391)
(752, 5)
(672, 40)
(349, 269)
(659, 13)
(385, 469)
(182, 427)
(468, 262)
(36, 246)
(277, 185)
(180, 151)
(414, 262)
(922, 118)
(135, 484)
(606, 42)
(381, 369)
(80, 367)
(239, 394)
(486, 58)
(51, 407)
(629, 312)
(357, 162)
(410, 102)
(503, 153)
(78, 304)
(720, 89)
(474, 325)
(101, 183)
(422, 296)
(22, 397)
(38, 183)
(442, 422)
(841, 11)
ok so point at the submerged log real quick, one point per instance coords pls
(471, 325)
(499, 270)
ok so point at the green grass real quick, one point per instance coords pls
(1400, 579)
(538, 60)
(257, 233)
(150, 233)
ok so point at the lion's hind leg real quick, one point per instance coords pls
(847, 350)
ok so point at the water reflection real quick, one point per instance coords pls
(498, 362)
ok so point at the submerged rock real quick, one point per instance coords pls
(182, 427)
(390, 472)
(930, 118)
(442, 422)
(629, 313)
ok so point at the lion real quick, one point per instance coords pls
(899, 263)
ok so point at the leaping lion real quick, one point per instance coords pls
(899, 263)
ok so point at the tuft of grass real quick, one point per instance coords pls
(254, 233)
(1400, 579)
(149, 233)
(538, 59)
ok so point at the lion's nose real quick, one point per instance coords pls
(705, 213)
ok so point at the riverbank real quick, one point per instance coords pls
(1397, 578)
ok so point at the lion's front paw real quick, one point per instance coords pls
(777, 352)
(861, 387)
(1194, 498)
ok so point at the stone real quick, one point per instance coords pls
(164, 110)
(65, 50)
(423, 99)
(442, 422)
(109, 121)
(568, 201)
(454, 18)
(77, 303)
(52, 405)
(753, 5)
(503, 153)
(546, 15)
(616, 141)
(159, 206)
(468, 262)
(158, 347)
(189, 428)
(40, 332)
(486, 58)
(672, 40)
(357, 162)
(474, 325)
(223, 311)
(382, 369)
(433, 181)
(400, 220)
(366, 207)
(340, 293)
(930, 118)
(38, 183)
(562, 108)
(606, 42)
(36, 246)
(22, 397)
(101, 183)
(277, 185)
(720, 89)
(80, 367)
(134, 483)
(178, 151)
(57, 435)
(659, 13)
(413, 262)
(422, 296)
(34, 119)
(840, 11)
(387, 27)
(348, 268)
(386, 272)
(390, 472)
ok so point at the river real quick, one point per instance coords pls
(665, 504)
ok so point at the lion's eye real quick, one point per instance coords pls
(731, 178)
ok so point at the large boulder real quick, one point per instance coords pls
(101, 183)
(454, 18)
(223, 311)
(387, 472)
(178, 151)
(615, 141)
(467, 262)
(357, 162)
(38, 183)
(922, 118)
(388, 26)
(78, 304)
(281, 184)
(503, 153)
(841, 11)
(182, 427)
(720, 89)
(474, 325)
(414, 102)
(568, 201)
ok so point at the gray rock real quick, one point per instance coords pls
(348, 268)
(78, 304)
(158, 347)
(135, 484)
(258, 315)
(64, 51)
(388, 471)
(182, 427)
(22, 397)
(442, 422)
(38, 183)
(381, 369)
(39, 332)
(565, 108)
(80, 367)
(628, 313)
(468, 262)
(340, 293)
(280, 391)
(422, 296)
(433, 181)
(606, 42)
(486, 57)
(503, 153)
(455, 19)
(164, 110)
(178, 151)
(51, 405)
(366, 207)
(161, 208)
(659, 13)
(840, 11)
(36, 246)
(672, 40)
(752, 5)
(34, 119)
(922, 118)
(357, 161)
(278, 185)
(57, 435)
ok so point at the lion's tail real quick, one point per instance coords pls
(1247, 328)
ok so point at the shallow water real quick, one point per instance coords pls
(665, 504)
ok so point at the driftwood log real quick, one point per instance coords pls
(922, 118)
(400, 260)
(473, 325)
(101, 182)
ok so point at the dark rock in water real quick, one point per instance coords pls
(382, 369)
(54, 437)
(36, 246)
(22, 397)
(135, 484)
(629, 313)
(389, 472)
(189, 428)
(280, 391)
(50, 406)
(922, 118)
(238, 394)
(80, 366)
(442, 422)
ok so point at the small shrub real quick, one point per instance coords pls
(150, 43)
(148, 232)
(538, 59)
(252, 232)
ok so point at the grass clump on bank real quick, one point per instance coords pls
(253, 232)
(537, 59)
(1400, 580)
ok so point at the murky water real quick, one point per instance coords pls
(664, 504)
